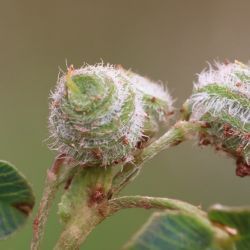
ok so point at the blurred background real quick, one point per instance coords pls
(167, 40)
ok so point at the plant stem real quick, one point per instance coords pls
(180, 132)
(81, 216)
(87, 218)
(77, 230)
(84, 205)
(151, 202)
(51, 185)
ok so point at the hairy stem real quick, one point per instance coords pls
(180, 132)
(84, 205)
(51, 185)
(87, 218)
(151, 202)
(85, 213)
(77, 230)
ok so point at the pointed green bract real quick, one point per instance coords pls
(16, 199)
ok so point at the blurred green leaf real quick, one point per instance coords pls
(234, 217)
(16, 199)
(174, 231)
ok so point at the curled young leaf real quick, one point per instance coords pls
(100, 115)
(221, 99)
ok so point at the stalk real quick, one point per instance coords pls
(179, 133)
(51, 186)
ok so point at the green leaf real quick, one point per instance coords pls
(16, 199)
(175, 231)
(234, 217)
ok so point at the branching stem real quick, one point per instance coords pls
(180, 132)
(87, 218)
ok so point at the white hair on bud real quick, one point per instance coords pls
(203, 103)
(151, 88)
(226, 75)
(235, 79)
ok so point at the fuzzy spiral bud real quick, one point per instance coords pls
(221, 99)
(100, 115)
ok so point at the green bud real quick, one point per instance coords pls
(157, 102)
(221, 98)
(100, 115)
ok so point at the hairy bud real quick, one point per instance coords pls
(100, 115)
(221, 99)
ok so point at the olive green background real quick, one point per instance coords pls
(162, 39)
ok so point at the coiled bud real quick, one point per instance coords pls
(156, 101)
(100, 115)
(221, 99)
